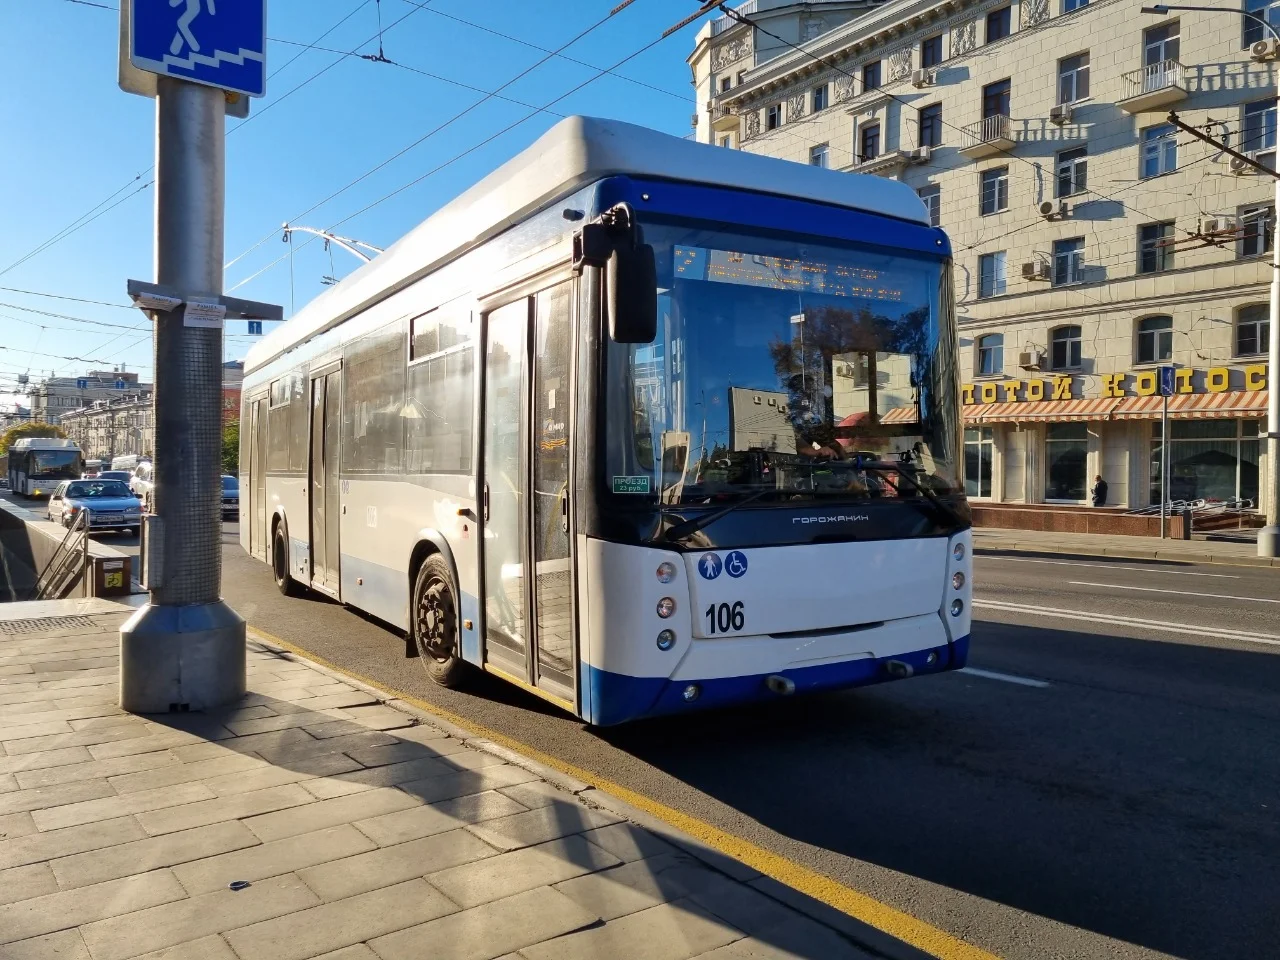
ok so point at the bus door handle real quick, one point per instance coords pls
(564, 512)
(486, 503)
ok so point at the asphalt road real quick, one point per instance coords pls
(1102, 788)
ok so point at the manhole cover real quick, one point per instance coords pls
(41, 624)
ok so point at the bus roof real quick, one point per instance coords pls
(575, 152)
(43, 443)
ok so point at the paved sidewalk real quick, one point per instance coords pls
(989, 539)
(314, 821)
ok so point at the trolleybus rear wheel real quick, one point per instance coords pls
(435, 623)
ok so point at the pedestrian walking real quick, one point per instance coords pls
(1099, 491)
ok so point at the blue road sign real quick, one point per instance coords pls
(255, 328)
(120, 384)
(1167, 381)
(82, 384)
(220, 43)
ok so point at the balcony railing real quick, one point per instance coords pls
(721, 24)
(1153, 86)
(988, 136)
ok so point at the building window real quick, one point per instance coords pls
(1066, 460)
(991, 354)
(1069, 5)
(1072, 170)
(1073, 78)
(1068, 262)
(742, 75)
(931, 51)
(1269, 10)
(1064, 348)
(1257, 230)
(931, 125)
(991, 274)
(1258, 131)
(819, 156)
(871, 76)
(1155, 247)
(998, 24)
(994, 191)
(1253, 330)
(819, 98)
(868, 142)
(995, 99)
(1155, 339)
(1208, 460)
(932, 197)
(726, 142)
(979, 453)
(773, 116)
(725, 84)
(1159, 150)
(1160, 44)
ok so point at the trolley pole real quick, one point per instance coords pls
(1269, 536)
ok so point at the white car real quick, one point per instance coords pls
(143, 482)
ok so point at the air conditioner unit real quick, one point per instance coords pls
(1239, 166)
(922, 78)
(1054, 209)
(1031, 359)
(1060, 114)
(1213, 226)
(1264, 50)
(1036, 270)
(919, 155)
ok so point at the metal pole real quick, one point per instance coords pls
(185, 650)
(1164, 466)
(1269, 536)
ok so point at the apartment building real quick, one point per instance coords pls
(1094, 242)
(113, 428)
(55, 397)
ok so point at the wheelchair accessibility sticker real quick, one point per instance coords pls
(735, 563)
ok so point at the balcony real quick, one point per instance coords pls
(1153, 87)
(723, 120)
(988, 137)
(723, 23)
(888, 164)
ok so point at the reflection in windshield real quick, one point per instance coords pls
(54, 462)
(784, 367)
(88, 491)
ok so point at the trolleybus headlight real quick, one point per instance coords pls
(666, 571)
(666, 607)
(691, 693)
(958, 551)
(932, 657)
(666, 640)
(957, 607)
(957, 580)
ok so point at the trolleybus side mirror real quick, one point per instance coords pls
(631, 294)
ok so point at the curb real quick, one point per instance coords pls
(1123, 553)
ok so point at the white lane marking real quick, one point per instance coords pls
(1107, 566)
(1181, 593)
(1059, 614)
(1006, 677)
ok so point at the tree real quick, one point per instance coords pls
(29, 430)
(231, 448)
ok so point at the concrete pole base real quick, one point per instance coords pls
(1269, 542)
(175, 659)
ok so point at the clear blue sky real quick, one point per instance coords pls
(71, 139)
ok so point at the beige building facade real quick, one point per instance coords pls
(1094, 243)
(113, 428)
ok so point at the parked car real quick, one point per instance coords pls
(110, 504)
(142, 482)
(122, 475)
(230, 498)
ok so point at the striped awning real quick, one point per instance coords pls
(1019, 411)
(1193, 406)
(901, 415)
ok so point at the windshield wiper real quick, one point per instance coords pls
(884, 466)
(685, 527)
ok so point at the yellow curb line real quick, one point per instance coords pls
(868, 910)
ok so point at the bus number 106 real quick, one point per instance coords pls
(721, 618)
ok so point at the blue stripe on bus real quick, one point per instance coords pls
(610, 698)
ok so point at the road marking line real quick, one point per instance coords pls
(1006, 677)
(887, 919)
(1111, 619)
(1105, 566)
(1181, 593)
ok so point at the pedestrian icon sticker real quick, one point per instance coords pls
(219, 43)
(709, 566)
(735, 563)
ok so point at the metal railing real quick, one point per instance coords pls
(69, 561)
(1150, 79)
(721, 24)
(989, 129)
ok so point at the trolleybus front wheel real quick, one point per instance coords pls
(280, 566)
(435, 623)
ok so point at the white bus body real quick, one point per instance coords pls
(38, 464)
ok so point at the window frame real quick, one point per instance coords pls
(1159, 339)
(1058, 335)
(1072, 255)
(1079, 77)
(931, 51)
(1265, 136)
(875, 67)
(1163, 44)
(820, 97)
(931, 195)
(773, 116)
(997, 178)
(993, 350)
(1077, 172)
(820, 151)
(1248, 216)
(1153, 255)
(1157, 146)
(993, 283)
(1071, 6)
(865, 131)
(934, 125)
(1250, 30)
(1002, 98)
(1007, 25)
(1261, 322)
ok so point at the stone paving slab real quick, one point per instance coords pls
(315, 820)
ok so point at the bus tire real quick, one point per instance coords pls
(434, 624)
(280, 565)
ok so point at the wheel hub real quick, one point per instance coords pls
(435, 631)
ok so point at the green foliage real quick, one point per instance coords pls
(231, 448)
(29, 430)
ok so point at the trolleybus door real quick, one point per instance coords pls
(525, 502)
(326, 419)
(258, 479)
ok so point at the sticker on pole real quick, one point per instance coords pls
(204, 312)
(219, 43)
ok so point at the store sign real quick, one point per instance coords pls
(1145, 383)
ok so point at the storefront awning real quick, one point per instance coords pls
(901, 415)
(1191, 406)
(1018, 411)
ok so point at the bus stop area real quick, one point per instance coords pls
(314, 819)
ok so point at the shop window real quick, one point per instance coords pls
(1065, 348)
(1155, 247)
(931, 51)
(991, 355)
(1066, 461)
(979, 454)
(1155, 339)
(1253, 330)
(1213, 460)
